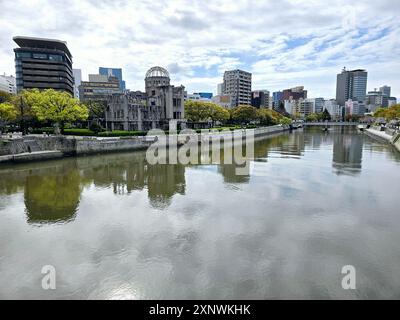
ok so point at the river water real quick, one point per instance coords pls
(115, 227)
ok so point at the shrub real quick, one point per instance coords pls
(79, 132)
(120, 133)
(95, 127)
(48, 130)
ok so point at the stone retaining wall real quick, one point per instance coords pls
(88, 145)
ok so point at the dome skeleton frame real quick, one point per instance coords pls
(156, 72)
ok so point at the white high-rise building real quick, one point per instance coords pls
(237, 84)
(333, 108)
(8, 84)
(77, 81)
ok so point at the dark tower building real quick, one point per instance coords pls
(43, 64)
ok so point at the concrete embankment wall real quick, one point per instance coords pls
(392, 138)
(31, 148)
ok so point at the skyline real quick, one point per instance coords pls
(277, 42)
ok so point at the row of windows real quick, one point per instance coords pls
(41, 56)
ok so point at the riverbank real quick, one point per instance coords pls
(38, 147)
(375, 133)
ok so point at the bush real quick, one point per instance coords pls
(79, 132)
(48, 130)
(120, 133)
(95, 127)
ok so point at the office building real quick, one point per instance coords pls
(376, 99)
(355, 108)
(351, 85)
(114, 72)
(295, 93)
(222, 100)
(197, 96)
(43, 64)
(307, 106)
(77, 81)
(277, 98)
(385, 90)
(260, 99)
(8, 84)
(98, 88)
(237, 84)
(392, 101)
(220, 89)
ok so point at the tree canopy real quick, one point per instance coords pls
(390, 113)
(244, 113)
(197, 111)
(58, 107)
(7, 112)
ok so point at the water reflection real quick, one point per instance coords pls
(52, 190)
(53, 196)
(120, 228)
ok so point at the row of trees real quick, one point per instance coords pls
(33, 106)
(391, 113)
(319, 116)
(198, 111)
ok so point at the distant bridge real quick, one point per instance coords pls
(331, 123)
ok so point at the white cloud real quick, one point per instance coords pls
(285, 43)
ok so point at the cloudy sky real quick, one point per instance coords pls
(283, 43)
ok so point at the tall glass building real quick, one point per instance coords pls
(43, 64)
(113, 72)
(351, 85)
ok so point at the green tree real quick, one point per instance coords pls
(325, 115)
(23, 103)
(197, 111)
(268, 117)
(96, 109)
(313, 117)
(5, 97)
(59, 107)
(244, 113)
(7, 113)
(390, 113)
(219, 113)
(285, 121)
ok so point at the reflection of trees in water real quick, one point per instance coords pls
(163, 182)
(261, 149)
(52, 189)
(128, 172)
(54, 195)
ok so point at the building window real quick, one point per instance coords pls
(23, 54)
(55, 57)
(42, 56)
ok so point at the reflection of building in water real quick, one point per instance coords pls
(294, 146)
(347, 152)
(163, 181)
(53, 196)
(128, 172)
(228, 171)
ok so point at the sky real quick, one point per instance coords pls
(282, 43)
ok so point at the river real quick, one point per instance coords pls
(115, 227)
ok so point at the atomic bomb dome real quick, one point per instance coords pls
(157, 72)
